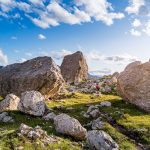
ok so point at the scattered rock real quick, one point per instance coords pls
(99, 140)
(98, 124)
(39, 74)
(105, 104)
(49, 116)
(32, 102)
(4, 117)
(70, 126)
(94, 113)
(69, 108)
(86, 115)
(134, 84)
(77, 70)
(35, 133)
(9, 103)
(60, 108)
(91, 108)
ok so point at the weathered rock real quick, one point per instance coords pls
(94, 113)
(98, 124)
(99, 140)
(74, 68)
(32, 102)
(105, 104)
(91, 108)
(70, 126)
(4, 117)
(134, 84)
(35, 133)
(49, 116)
(9, 103)
(39, 74)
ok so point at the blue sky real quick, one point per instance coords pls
(111, 33)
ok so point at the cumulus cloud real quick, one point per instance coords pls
(3, 58)
(147, 28)
(41, 37)
(140, 11)
(136, 23)
(135, 32)
(134, 6)
(46, 14)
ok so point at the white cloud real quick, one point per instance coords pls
(3, 58)
(99, 10)
(37, 2)
(136, 23)
(60, 54)
(96, 56)
(134, 6)
(14, 38)
(46, 14)
(135, 32)
(147, 28)
(28, 54)
(22, 60)
(41, 37)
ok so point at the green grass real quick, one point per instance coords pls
(131, 118)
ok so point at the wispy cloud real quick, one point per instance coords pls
(41, 37)
(3, 58)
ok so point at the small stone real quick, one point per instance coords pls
(4, 117)
(98, 124)
(105, 104)
(95, 113)
(49, 116)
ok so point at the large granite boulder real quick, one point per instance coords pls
(39, 74)
(100, 140)
(67, 125)
(9, 103)
(134, 84)
(32, 103)
(74, 68)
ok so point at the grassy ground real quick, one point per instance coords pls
(131, 119)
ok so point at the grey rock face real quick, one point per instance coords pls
(99, 140)
(32, 102)
(9, 103)
(70, 126)
(39, 74)
(74, 68)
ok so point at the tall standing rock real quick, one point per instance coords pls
(74, 68)
(134, 84)
(39, 74)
